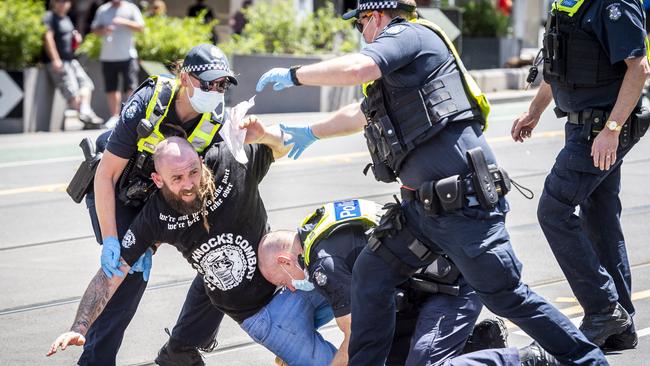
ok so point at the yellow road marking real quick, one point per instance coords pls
(329, 159)
(566, 299)
(577, 309)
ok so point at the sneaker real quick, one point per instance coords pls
(172, 354)
(535, 355)
(626, 340)
(489, 333)
(111, 122)
(90, 118)
(600, 326)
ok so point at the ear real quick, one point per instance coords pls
(284, 259)
(157, 179)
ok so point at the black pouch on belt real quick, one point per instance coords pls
(450, 193)
(483, 181)
(640, 123)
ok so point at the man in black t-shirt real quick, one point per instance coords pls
(216, 221)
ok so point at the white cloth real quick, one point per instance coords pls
(234, 136)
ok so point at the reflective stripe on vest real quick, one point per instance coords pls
(471, 87)
(570, 7)
(355, 212)
(201, 136)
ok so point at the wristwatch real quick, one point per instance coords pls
(614, 126)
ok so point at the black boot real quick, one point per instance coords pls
(535, 355)
(600, 326)
(626, 340)
(173, 353)
(489, 333)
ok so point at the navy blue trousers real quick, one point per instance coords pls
(196, 326)
(589, 247)
(481, 249)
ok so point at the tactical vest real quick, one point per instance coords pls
(135, 183)
(401, 119)
(335, 215)
(572, 56)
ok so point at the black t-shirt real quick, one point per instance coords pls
(124, 139)
(62, 28)
(619, 27)
(227, 255)
(330, 266)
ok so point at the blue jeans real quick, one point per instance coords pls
(589, 248)
(478, 247)
(286, 326)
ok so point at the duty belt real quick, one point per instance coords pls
(593, 121)
(482, 187)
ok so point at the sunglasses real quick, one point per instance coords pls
(220, 85)
(357, 23)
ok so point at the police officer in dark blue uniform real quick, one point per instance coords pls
(423, 118)
(436, 308)
(190, 105)
(595, 66)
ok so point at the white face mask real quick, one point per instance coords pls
(205, 102)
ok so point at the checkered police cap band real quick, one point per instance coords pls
(378, 5)
(217, 65)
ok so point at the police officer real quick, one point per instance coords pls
(595, 66)
(191, 105)
(425, 117)
(436, 308)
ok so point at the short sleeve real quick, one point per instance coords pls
(124, 140)
(96, 23)
(622, 30)
(47, 20)
(333, 278)
(139, 237)
(137, 15)
(260, 158)
(395, 48)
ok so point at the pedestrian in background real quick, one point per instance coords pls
(60, 41)
(116, 21)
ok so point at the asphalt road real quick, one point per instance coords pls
(48, 253)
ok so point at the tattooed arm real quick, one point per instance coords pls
(99, 291)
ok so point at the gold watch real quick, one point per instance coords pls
(614, 126)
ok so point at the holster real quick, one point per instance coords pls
(484, 182)
(640, 123)
(83, 179)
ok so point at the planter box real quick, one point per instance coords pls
(489, 53)
(249, 68)
(41, 106)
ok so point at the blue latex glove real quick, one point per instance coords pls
(143, 264)
(301, 138)
(279, 75)
(110, 258)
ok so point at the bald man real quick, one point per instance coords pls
(213, 214)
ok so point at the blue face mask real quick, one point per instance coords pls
(303, 285)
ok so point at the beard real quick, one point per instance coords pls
(202, 193)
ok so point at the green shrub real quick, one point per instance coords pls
(482, 19)
(21, 33)
(272, 28)
(165, 39)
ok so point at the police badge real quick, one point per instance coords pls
(614, 12)
(320, 277)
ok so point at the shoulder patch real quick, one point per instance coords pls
(131, 110)
(614, 12)
(395, 29)
(320, 277)
(128, 240)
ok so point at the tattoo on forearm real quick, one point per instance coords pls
(92, 303)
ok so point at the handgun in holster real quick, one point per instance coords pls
(82, 181)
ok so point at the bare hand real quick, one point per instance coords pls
(57, 66)
(604, 148)
(522, 127)
(255, 130)
(120, 21)
(65, 339)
